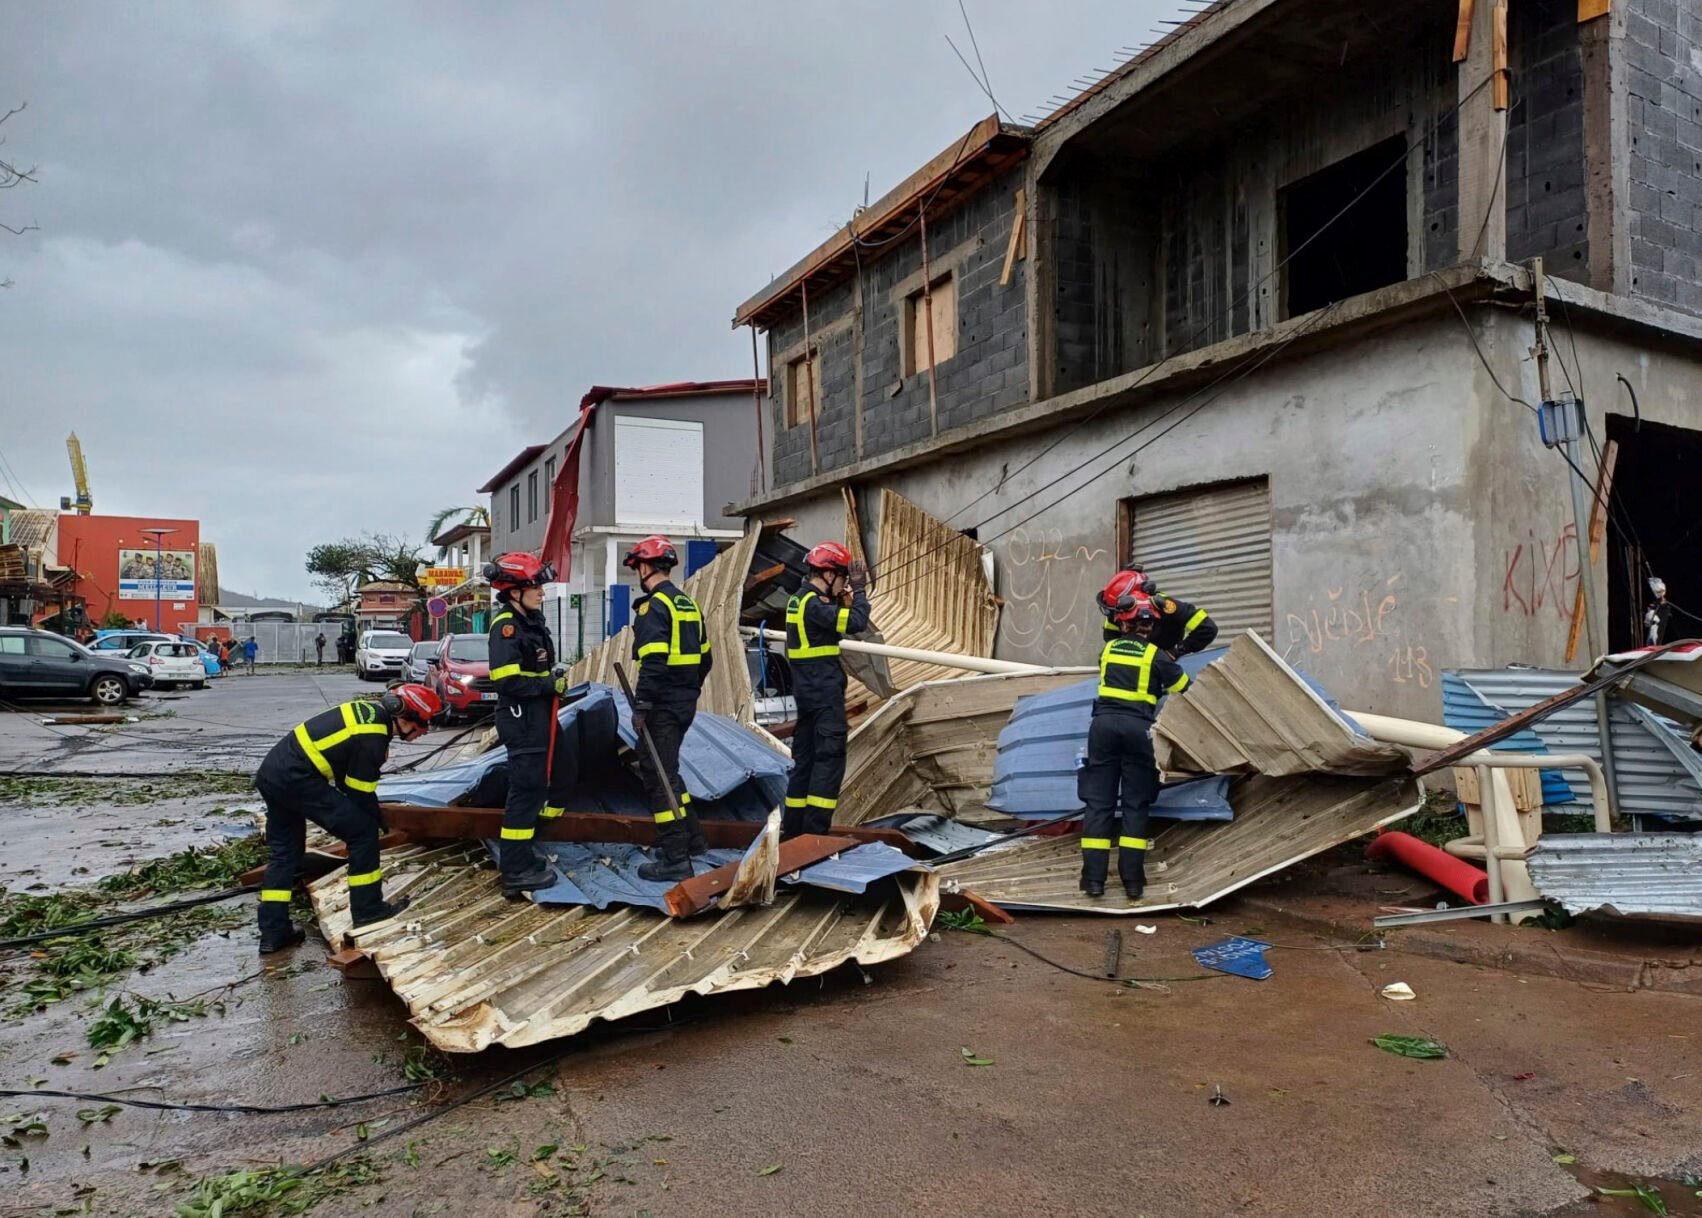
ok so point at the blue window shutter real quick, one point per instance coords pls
(620, 608)
(698, 554)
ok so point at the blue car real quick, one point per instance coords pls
(209, 661)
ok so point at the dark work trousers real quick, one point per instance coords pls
(1120, 771)
(818, 769)
(536, 790)
(293, 799)
(677, 828)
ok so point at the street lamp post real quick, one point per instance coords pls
(158, 536)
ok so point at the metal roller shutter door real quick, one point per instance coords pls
(1211, 547)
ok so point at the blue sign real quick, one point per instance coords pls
(1237, 956)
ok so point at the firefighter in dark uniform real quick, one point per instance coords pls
(1120, 769)
(528, 692)
(829, 604)
(671, 646)
(1182, 628)
(326, 771)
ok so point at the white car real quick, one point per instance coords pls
(381, 653)
(171, 663)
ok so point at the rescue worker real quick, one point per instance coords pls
(528, 695)
(1182, 628)
(830, 603)
(326, 771)
(1120, 771)
(671, 646)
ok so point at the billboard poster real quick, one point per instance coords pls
(136, 575)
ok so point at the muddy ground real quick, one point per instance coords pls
(853, 1094)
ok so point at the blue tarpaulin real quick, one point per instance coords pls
(1236, 955)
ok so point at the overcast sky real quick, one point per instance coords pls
(304, 270)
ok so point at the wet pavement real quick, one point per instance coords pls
(849, 1095)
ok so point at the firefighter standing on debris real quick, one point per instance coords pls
(1120, 769)
(326, 771)
(829, 604)
(528, 689)
(1182, 628)
(671, 646)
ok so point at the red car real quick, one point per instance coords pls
(461, 675)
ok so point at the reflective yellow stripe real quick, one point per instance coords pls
(275, 894)
(1134, 843)
(843, 622)
(1193, 622)
(1142, 662)
(652, 649)
(821, 801)
(667, 817)
(1178, 685)
(313, 754)
(517, 835)
(501, 617)
(365, 878)
(795, 619)
(514, 670)
(356, 784)
(684, 609)
(685, 798)
(792, 801)
(1096, 843)
(551, 812)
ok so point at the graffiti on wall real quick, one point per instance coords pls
(1541, 573)
(1359, 624)
(1048, 588)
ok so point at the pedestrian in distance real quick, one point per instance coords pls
(250, 653)
(828, 605)
(670, 643)
(528, 687)
(326, 771)
(319, 647)
(1120, 774)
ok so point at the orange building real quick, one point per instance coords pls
(115, 563)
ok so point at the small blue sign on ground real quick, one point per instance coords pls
(1235, 955)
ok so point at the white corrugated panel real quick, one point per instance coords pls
(658, 471)
(1657, 775)
(1211, 547)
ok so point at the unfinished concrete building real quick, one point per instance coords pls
(1257, 308)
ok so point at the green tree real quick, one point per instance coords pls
(341, 567)
(395, 558)
(468, 515)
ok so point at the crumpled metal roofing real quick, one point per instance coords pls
(1627, 873)
(475, 969)
(1657, 772)
(1466, 710)
(936, 832)
(855, 869)
(728, 767)
(601, 874)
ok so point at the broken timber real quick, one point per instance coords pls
(693, 896)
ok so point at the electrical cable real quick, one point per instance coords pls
(340, 1101)
(1136, 982)
(72, 929)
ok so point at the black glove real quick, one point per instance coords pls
(638, 719)
(857, 576)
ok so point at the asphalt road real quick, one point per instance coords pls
(847, 1096)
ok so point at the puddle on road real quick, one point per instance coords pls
(1677, 1198)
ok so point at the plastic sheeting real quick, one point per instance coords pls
(730, 772)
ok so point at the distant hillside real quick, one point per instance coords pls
(241, 600)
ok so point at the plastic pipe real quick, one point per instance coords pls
(1456, 875)
(946, 659)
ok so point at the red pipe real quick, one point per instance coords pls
(1456, 875)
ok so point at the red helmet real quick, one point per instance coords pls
(828, 556)
(658, 551)
(1142, 581)
(1136, 607)
(518, 570)
(415, 701)
(1123, 585)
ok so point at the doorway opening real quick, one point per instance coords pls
(1659, 530)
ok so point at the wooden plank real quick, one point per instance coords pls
(1598, 534)
(354, 964)
(323, 861)
(1017, 226)
(1589, 10)
(1463, 31)
(697, 894)
(1499, 65)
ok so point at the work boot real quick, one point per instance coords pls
(538, 875)
(378, 912)
(664, 868)
(699, 846)
(1134, 879)
(279, 940)
(1093, 888)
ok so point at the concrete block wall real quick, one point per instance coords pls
(1547, 212)
(1663, 75)
(867, 405)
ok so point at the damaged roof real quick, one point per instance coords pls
(1626, 873)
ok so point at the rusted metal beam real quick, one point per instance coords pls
(324, 860)
(697, 894)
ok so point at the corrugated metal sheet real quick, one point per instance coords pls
(1466, 710)
(1249, 712)
(1628, 873)
(477, 970)
(1211, 547)
(857, 868)
(1657, 774)
(934, 594)
(34, 527)
(601, 874)
(937, 832)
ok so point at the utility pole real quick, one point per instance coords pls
(1563, 427)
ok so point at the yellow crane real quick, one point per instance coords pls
(80, 471)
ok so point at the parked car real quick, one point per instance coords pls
(461, 675)
(36, 664)
(209, 659)
(381, 653)
(172, 662)
(418, 667)
(119, 642)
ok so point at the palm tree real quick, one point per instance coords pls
(469, 515)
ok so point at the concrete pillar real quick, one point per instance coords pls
(1607, 184)
(1483, 144)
